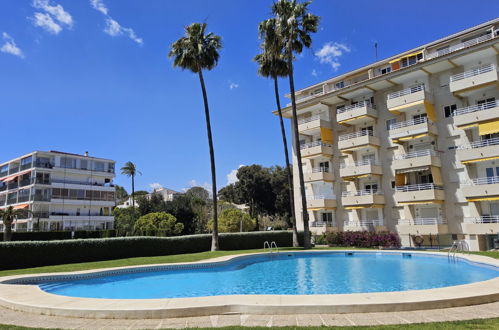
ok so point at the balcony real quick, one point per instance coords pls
(316, 148)
(459, 46)
(322, 224)
(487, 224)
(360, 169)
(422, 226)
(415, 159)
(472, 115)
(481, 189)
(356, 113)
(412, 129)
(476, 78)
(357, 140)
(319, 174)
(364, 225)
(321, 202)
(313, 123)
(419, 194)
(478, 151)
(407, 99)
(362, 198)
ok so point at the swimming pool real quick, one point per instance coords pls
(280, 274)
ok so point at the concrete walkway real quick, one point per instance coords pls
(12, 317)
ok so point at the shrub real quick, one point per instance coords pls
(159, 221)
(231, 221)
(43, 253)
(363, 239)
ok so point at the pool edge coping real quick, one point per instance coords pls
(30, 298)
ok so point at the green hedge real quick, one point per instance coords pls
(59, 235)
(14, 255)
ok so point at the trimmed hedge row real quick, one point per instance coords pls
(14, 255)
(59, 235)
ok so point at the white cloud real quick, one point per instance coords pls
(99, 5)
(232, 176)
(155, 185)
(113, 28)
(52, 18)
(331, 52)
(314, 73)
(233, 85)
(10, 47)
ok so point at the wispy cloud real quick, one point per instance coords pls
(331, 52)
(51, 17)
(232, 176)
(155, 186)
(10, 47)
(233, 85)
(113, 28)
(314, 73)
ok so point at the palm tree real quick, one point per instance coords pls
(8, 215)
(197, 51)
(293, 26)
(130, 170)
(272, 64)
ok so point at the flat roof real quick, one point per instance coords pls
(56, 152)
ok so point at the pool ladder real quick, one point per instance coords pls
(457, 246)
(270, 246)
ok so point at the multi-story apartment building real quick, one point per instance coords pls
(63, 191)
(408, 144)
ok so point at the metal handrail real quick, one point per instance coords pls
(474, 108)
(363, 192)
(407, 91)
(422, 221)
(355, 106)
(374, 222)
(320, 170)
(360, 163)
(479, 144)
(319, 197)
(273, 244)
(473, 72)
(323, 224)
(459, 46)
(417, 187)
(314, 144)
(415, 154)
(482, 219)
(308, 119)
(411, 122)
(480, 181)
(354, 135)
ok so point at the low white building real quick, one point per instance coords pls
(167, 194)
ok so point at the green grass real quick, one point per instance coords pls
(162, 260)
(455, 325)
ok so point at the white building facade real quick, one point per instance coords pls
(63, 191)
(409, 144)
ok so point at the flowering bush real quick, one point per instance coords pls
(363, 239)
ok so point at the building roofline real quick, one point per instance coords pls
(55, 152)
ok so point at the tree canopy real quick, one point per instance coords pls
(159, 221)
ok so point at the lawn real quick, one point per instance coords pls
(162, 260)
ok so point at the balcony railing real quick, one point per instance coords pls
(481, 181)
(423, 221)
(323, 224)
(308, 119)
(43, 164)
(482, 219)
(320, 170)
(415, 154)
(364, 223)
(320, 197)
(407, 91)
(418, 187)
(314, 144)
(475, 108)
(355, 135)
(360, 163)
(84, 183)
(480, 144)
(356, 106)
(459, 46)
(363, 192)
(473, 72)
(412, 122)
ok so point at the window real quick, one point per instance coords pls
(327, 217)
(67, 162)
(411, 60)
(84, 164)
(419, 119)
(324, 166)
(340, 108)
(371, 186)
(390, 123)
(487, 103)
(367, 131)
(450, 110)
(424, 178)
(99, 166)
(339, 84)
(317, 91)
(393, 184)
(386, 70)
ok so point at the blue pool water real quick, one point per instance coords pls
(289, 273)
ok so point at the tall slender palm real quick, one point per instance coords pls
(130, 170)
(272, 64)
(8, 215)
(197, 51)
(294, 24)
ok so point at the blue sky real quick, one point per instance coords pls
(77, 76)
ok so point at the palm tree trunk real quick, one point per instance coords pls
(288, 167)
(133, 190)
(7, 230)
(214, 239)
(306, 229)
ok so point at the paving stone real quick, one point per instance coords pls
(283, 320)
(335, 320)
(228, 320)
(308, 320)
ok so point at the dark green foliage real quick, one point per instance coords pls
(60, 235)
(15, 255)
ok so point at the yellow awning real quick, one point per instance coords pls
(407, 138)
(321, 208)
(468, 126)
(488, 127)
(354, 118)
(412, 104)
(430, 110)
(326, 135)
(367, 206)
(483, 199)
(408, 55)
(479, 160)
(422, 202)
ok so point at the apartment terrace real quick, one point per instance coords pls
(422, 226)
(361, 168)
(462, 83)
(321, 202)
(311, 124)
(408, 99)
(357, 140)
(362, 199)
(356, 113)
(478, 151)
(364, 225)
(412, 129)
(316, 148)
(473, 115)
(319, 174)
(480, 225)
(419, 194)
(481, 189)
(416, 159)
